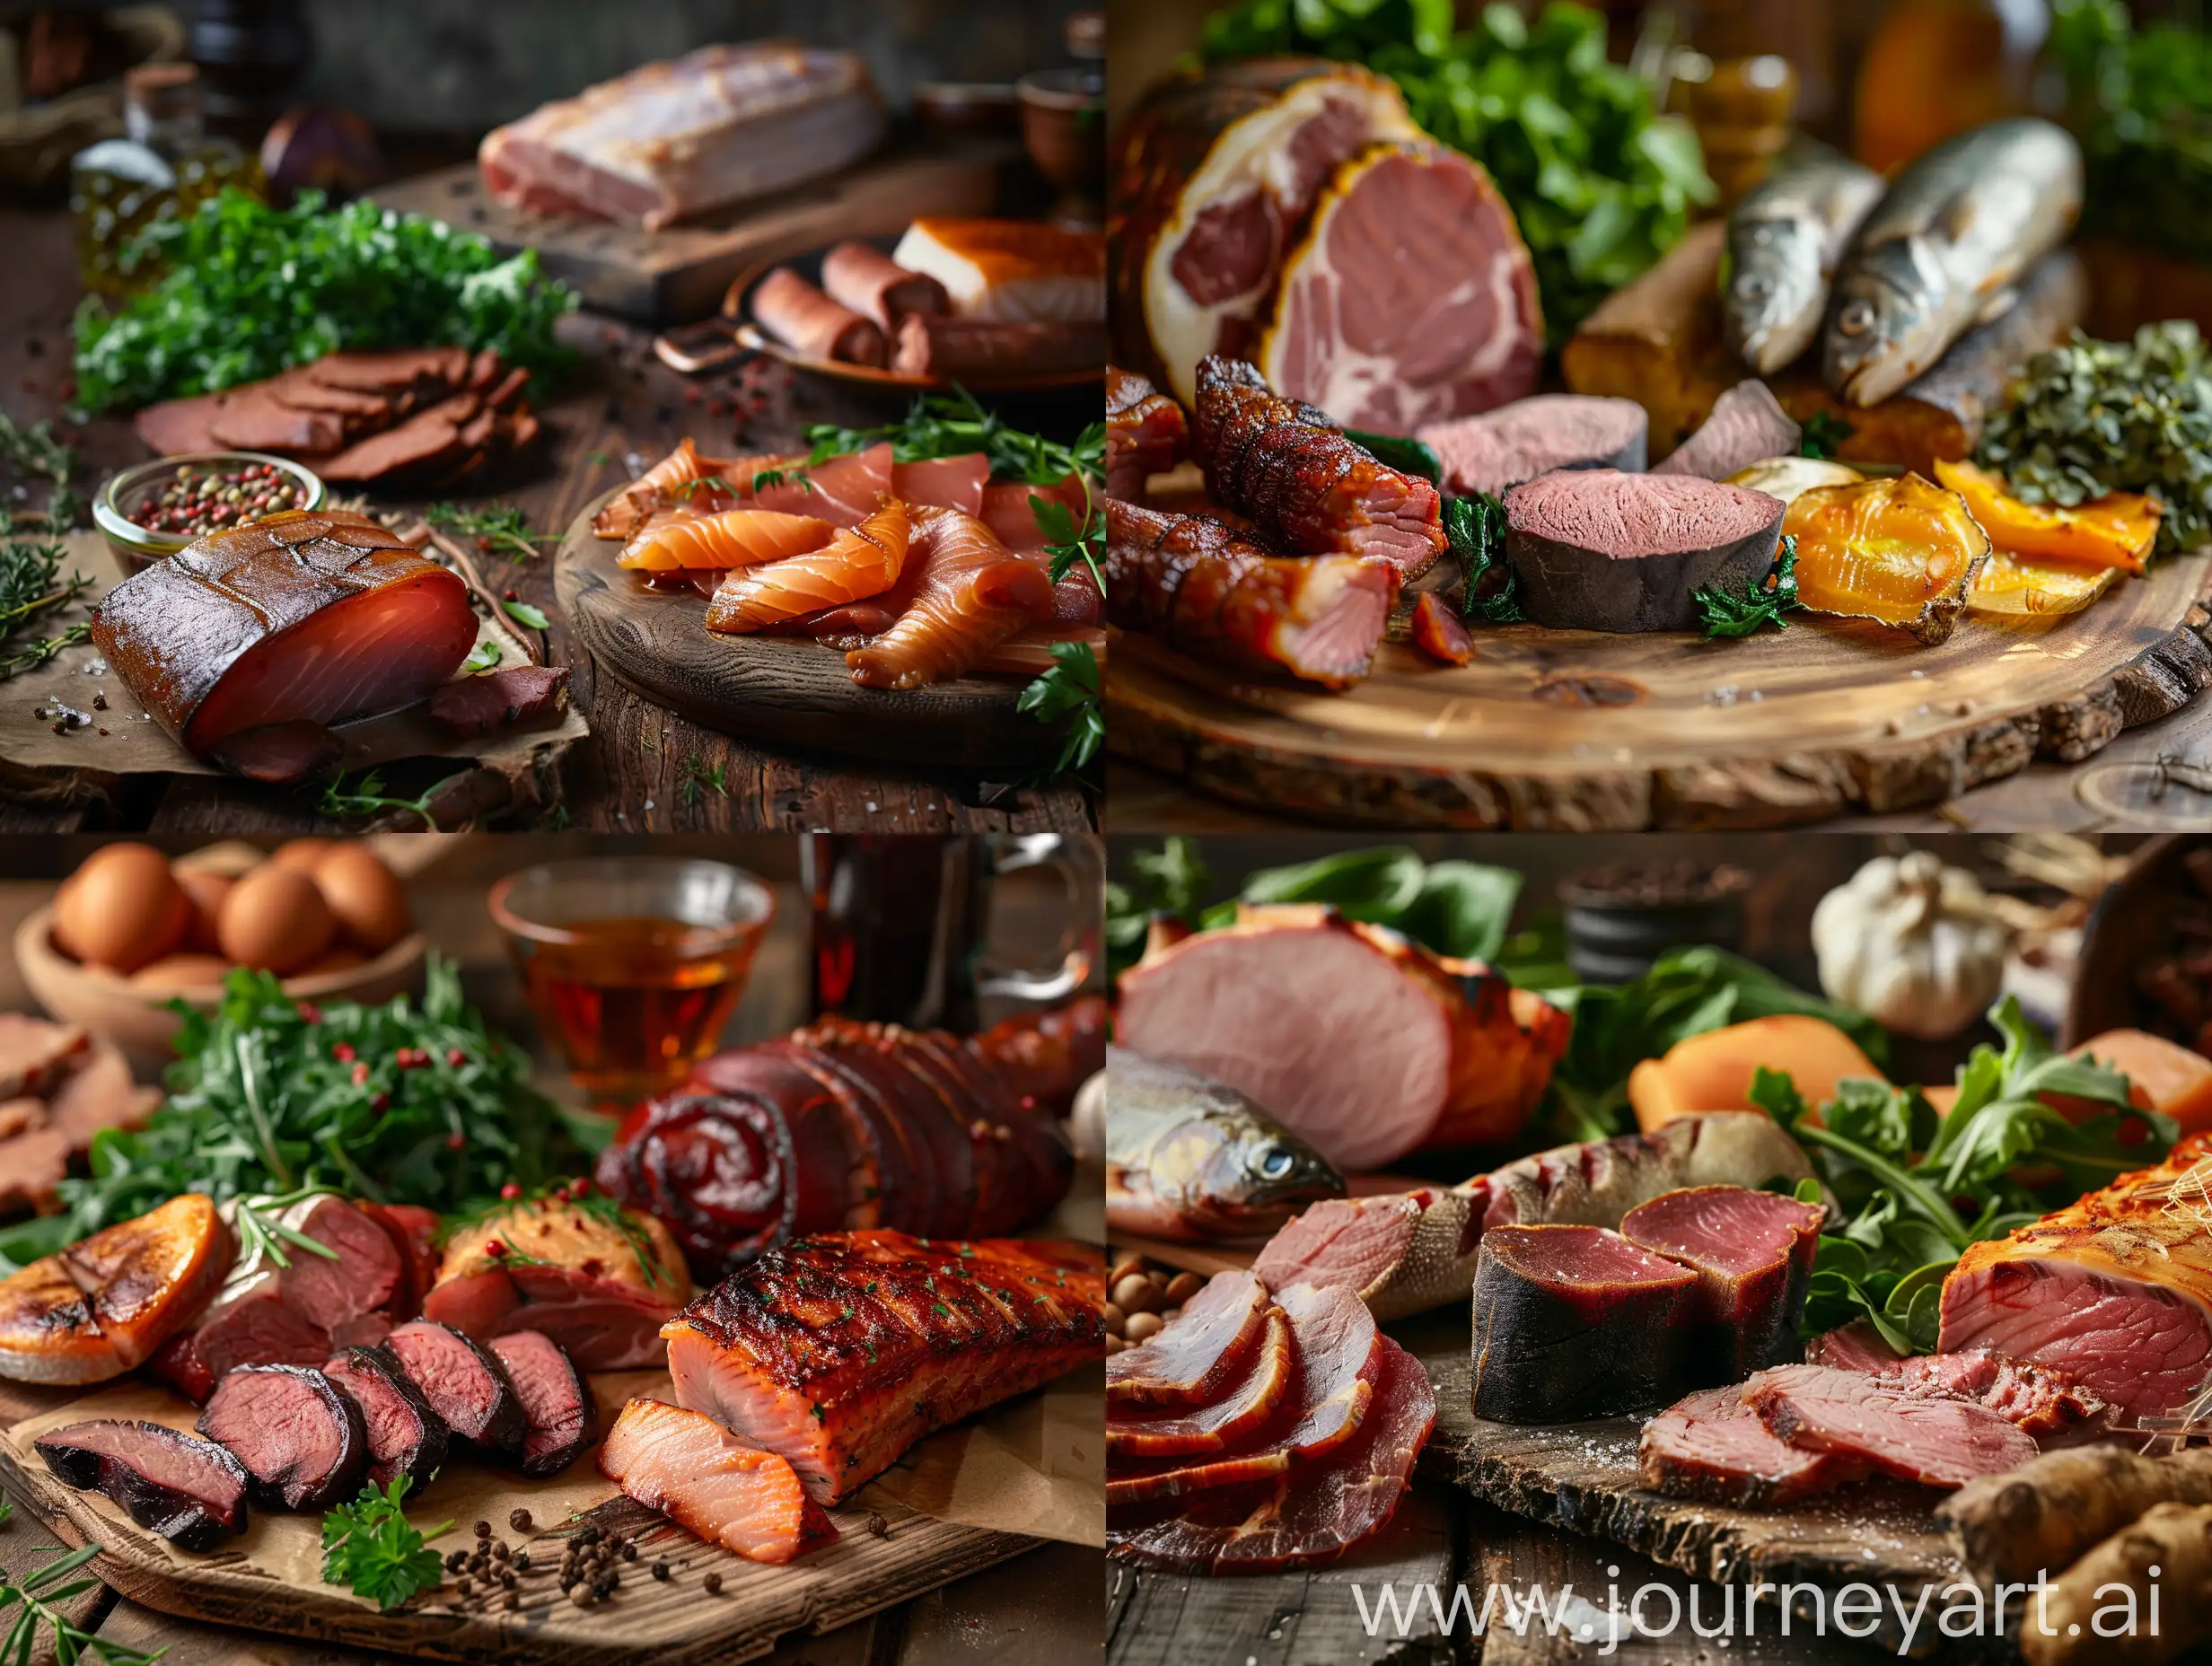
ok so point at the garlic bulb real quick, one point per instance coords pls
(1912, 943)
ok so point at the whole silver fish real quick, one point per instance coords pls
(1942, 250)
(1190, 1159)
(1783, 241)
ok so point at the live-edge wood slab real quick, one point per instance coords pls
(785, 691)
(1583, 731)
(1583, 1477)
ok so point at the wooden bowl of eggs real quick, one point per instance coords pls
(132, 930)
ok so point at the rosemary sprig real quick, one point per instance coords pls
(496, 528)
(31, 584)
(32, 655)
(262, 1231)
(41, 1594)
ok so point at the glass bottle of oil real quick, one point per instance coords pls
(165, 165)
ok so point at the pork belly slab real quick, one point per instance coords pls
(838, 1352)
(721, 125)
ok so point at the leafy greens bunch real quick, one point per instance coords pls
(406, 1102)
(1600, 185)
(247, 290)
(1917, 1189)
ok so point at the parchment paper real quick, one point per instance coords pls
(135, 744)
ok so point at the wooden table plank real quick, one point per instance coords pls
(618, 412)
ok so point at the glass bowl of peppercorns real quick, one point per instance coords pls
(158, 508)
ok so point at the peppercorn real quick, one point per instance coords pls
(712, 1582)
(511, 1602)
(660, 1570)
(522, 1557)
(454, 1562)
(582, 1596)
(629, 1553)
(483, 1529)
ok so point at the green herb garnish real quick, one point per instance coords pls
(34, 453)
(762, 478)
(368, 1547)
(1401, 452)
(1069, 693)
(487, 656)
(1822, 435)
(496, 527)
(40, 1595)
(262, 1231)
(525, 614)
(1763, 601)
(270, 1095)
(1475, 529)
(955, 423)
(699, 779)
(1599, 184)
(369, 799)
(31, 585)
(2098, 417)
(249, 289)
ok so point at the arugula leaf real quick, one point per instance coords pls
(1069, 693)
(249, 289)
(368, 1546)
(527, 616)
(1762, 601)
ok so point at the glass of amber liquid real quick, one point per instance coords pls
(632, 965)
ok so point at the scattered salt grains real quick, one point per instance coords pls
(1726, 694)
(95, 667)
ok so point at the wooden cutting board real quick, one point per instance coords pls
(267, 1579)
(1583, 731)
(681, 272)
(784, 691)
(1583, 1477)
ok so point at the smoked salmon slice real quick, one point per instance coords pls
(862, 560)
(703, 1477)
(964, 593)
(736, 537)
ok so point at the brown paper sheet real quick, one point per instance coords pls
(135, 744)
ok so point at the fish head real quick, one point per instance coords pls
(1772, 289)
(1885, 321)
(1264, 1175)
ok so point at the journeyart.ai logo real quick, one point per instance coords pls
(1885, 1614)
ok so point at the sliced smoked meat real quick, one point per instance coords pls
(464, 1383)
(1311, 1514)
(1347, 1033)
(1193, 1359)
(1747, 425)
(46, 1331)
(298, 617)
(354, 406)
(1384, 342)
(175, 426)
(863, 279)
(1537, 436)
(1574, 1321)
(988, 347)
(393, 370)
(1439, 631)
(709, 1482)
(2031, 1398)
(801, 317)
(1597, 550)
(406, 1436)
(254, 419)
(36, 1055)
(493, 700)
(191, 1491)
(1923, 1436)
(1241, 1412)
(280, 754)
(1215, 177)
(1288, 468)
(1207, 590)
(557, 1402)
(1854, 1347)
(148, 1277)
(1147, 434)
(1337, 1354)
(428, 437)
(1713, 1446)
(301, 1440)
(1753, 1252)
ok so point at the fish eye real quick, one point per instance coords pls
(1751, 287)
(1277, 1163)
(1856, 318)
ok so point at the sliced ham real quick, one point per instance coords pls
(1536, 435)
(1930, 1438)
(1241, 1412)
(1747, 425)
(2033, 1398)
(1387, 344)
(1713, 1446)
(300, 617)
(1193, 1361)
(1354, 1037)
(801, 316)
(979, 349)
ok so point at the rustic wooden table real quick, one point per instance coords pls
(644, 769)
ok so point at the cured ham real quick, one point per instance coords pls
(980, 349)
(598, 1287)
(862, 561)
(1933, 1439)
(2113, 1291)
(1350, 1035)
(943, 482)
(1573, 1322)
(1752, 1253)
(801, 316)
(1147, 434)
(962, 592)
(1288, 468)
(1194, 1359)
(710, 1483)
(736, 537)
(839, 1351)
(1713, 1446)
(843, 490)
(300, 617)
(722, 125)
(865, 278)
(1222, 1424)
(1196, 584)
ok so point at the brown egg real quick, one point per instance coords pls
(182, 971)
(369, 902)
(206, 892)
(121, 908)
(303, 855)
(275, 917)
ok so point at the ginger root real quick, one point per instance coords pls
(2168, 1550)
(2041, 1516)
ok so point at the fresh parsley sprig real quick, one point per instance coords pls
(368, 1547)
(1070, 694)
(1763, 601)
(956, 424)
(37, 1598)
(368, 799)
